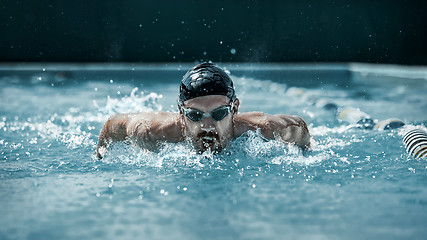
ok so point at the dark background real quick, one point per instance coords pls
(376, 31)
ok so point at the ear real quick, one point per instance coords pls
(236, 106)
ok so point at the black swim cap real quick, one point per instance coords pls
(205, 79)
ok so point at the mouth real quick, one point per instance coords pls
(208, 142)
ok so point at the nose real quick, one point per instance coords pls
(208, 124)
(207, 129)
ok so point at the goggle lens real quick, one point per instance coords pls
(220, 113)
(194, 115)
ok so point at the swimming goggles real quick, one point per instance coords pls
(217, 114)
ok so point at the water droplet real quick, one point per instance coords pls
(111, 81)
(233, 51)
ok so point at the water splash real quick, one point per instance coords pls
(74, 128)
(249, 150)
(135, 102)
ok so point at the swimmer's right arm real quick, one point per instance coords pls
(144, 129)
(114, 130)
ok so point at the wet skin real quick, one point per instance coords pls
(148, 129)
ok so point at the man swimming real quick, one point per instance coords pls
(208, 117)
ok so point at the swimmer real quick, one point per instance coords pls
(208, 118)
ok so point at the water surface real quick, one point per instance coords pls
(354, 184)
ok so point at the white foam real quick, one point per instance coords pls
(69, 128)
(250, 150)
(135, 102)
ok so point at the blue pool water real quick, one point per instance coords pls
(354, 184)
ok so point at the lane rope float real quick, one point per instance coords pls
(415, 142)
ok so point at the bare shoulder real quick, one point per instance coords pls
(130, 120)
(155, 117)
(244, 122)
(155, 126)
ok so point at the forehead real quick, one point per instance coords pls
(207, 102)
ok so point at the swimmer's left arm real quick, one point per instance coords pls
(292, 129)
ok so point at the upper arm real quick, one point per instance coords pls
(122, 127)
(116, 127)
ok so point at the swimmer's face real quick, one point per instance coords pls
(209, 133)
